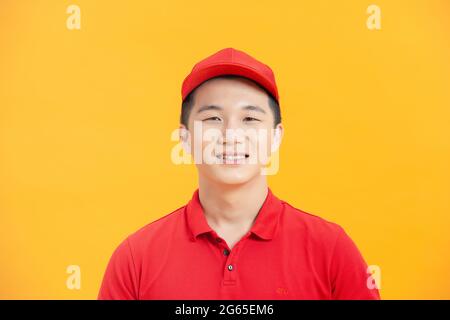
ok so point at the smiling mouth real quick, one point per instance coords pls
(232, 157)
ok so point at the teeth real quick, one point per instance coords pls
(231, 157)
(234, 157)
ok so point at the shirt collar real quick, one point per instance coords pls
(264, 226)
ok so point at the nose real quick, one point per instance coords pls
(231, 123)
(232, 133)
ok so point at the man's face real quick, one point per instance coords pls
(237, 129)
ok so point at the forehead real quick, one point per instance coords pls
(231, 92)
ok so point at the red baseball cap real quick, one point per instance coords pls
(230, 61)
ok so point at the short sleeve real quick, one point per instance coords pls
(120, 281)
(348, 271)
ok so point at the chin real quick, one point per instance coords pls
(233, 175)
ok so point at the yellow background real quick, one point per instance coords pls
(86, 117)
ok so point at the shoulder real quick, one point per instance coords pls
(324, 239)
(159, 229)
(311, 226)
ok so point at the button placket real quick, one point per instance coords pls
(222, 246)
(230, 267)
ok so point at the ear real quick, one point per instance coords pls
(277, 137)
(185, 139)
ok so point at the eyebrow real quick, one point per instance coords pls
(209, 107)
(254, 108)
(214, 107)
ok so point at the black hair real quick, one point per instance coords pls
(188, 102)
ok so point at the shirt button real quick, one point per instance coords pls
(218, 239)
(226, 252)
(230, 267)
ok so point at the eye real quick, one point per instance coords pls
(250, 119)
(212, 119)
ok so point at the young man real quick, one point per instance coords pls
(235, 239)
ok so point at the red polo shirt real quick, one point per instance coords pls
(287, 254)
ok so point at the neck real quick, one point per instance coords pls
(232, 205)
